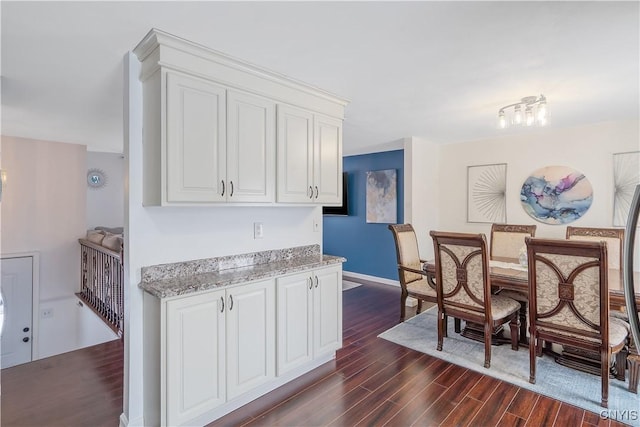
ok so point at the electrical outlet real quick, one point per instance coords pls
(316, 224)
(258, 230)
(46, 313)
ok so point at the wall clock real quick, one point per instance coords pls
(96, 178)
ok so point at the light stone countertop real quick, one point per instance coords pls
(183, 285)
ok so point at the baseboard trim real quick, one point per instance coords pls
(365, 278)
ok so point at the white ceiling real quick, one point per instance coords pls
(436, 70)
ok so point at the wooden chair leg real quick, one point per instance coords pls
(621, 364)
(419, 310)
(532, 359)
(441, 318)
(403, 302)
(456, 325)
(445, 319)
(513, 325)
(523, 323)
(604, 375)
(487, 344)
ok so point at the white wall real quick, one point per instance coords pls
(105, 206)
(588, 149)
(157, 235)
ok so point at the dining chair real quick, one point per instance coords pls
(507, 240)
(569, 302)
(413, 280)
(463, 288)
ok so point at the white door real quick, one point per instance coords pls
(195, 356)
(327, 160)
(295, 155)
(295, 317)
(251, 336)
(327, 310)
(17, 287)
(251, 148)
(196, 140)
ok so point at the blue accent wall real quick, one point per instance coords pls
(369, 248)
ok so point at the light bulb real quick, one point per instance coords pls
(502, 122)
(528, 114)
(517, 115)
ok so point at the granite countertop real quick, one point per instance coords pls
(182, 284)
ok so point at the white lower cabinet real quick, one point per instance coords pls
(219, 344)
(309, 316)
(209, 353)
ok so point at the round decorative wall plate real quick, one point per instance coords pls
(96, 178)
(556, 195)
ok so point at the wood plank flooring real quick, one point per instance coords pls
(371, 383)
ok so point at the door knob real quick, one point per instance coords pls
(25, 330)
(25, 339)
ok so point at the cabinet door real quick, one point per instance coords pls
(327, 301)
(295, 317)
(195, 140)
(195, 356)
(295, 155)
(251, 138)
(250, 336)
(327, 164)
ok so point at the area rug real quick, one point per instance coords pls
(346, 285)
(553, 380)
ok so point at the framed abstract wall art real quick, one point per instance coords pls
(486, 193)
(556, 195)
(382, 196)
(626, 175)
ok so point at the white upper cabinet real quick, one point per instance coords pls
(251, 148)
(309, 157)
(196, 140)
(211, 133)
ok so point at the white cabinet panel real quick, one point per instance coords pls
(295, 155)
(327, 164)
(195, 356)
(295, 317)
(196, 139)
(250, 336)
(327, 311)
(251, 139)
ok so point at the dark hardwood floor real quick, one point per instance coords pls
(371, 383)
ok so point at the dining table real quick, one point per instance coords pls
(507, 273)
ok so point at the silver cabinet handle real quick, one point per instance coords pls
(310, 192)
(316, 281)
(231, 184)
(222, 188)
(230, 302)
(310, 283)
(221, 304)
(316, 191)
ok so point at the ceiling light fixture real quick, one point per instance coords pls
(535, 112)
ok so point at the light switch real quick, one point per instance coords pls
(258, 230)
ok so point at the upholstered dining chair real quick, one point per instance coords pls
(413, 279)
(613, 237)
(463, 288)
(506, 242)
(569, 302)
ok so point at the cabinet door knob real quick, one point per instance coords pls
(222, 188)
(221, 304)
(316, 191)
(231, 184)
(25, 330)
(25, 339)
(230, 302)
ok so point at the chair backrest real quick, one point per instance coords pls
(406, 251)
(568, 293)
(613, 237)
(462, 271)
(508, 239)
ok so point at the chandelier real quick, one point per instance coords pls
(529, 111)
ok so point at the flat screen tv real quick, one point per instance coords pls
(344, 208)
